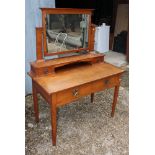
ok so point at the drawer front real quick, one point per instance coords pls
(42, 71)
(72, 94)
(45, 71)
(105, 83)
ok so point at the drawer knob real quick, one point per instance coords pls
(45, 71)
(106, 81)
(75, 92)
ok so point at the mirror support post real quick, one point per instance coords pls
(39, 53)
(92, 37)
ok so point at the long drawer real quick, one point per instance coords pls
(72, 94)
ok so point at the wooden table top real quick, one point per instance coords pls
(76, 76)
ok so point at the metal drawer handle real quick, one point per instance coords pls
(75, 92)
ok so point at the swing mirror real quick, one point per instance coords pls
(65, 30)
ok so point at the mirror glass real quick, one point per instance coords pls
(66, 32)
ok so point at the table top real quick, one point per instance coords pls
(76, 76)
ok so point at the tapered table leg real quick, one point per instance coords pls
(54, 119)
(35, 101)
(92, 97)
(114, 100)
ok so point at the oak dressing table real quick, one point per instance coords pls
(69, 77)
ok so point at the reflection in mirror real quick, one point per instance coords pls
(66, 32)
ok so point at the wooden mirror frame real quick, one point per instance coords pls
(46, 11)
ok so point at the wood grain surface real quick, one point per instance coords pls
(77, 76)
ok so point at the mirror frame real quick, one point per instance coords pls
(46, 11)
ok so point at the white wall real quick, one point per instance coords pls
(32, 19)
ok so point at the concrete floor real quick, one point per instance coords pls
(115, 58)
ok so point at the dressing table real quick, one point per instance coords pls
(77, 71)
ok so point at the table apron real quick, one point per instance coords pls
(72, 94)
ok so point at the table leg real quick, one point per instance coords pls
(35, 101)
(92, 97)
(54, 119)
(114, 100)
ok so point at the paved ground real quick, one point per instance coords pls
(84, 128)
(115, 58)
